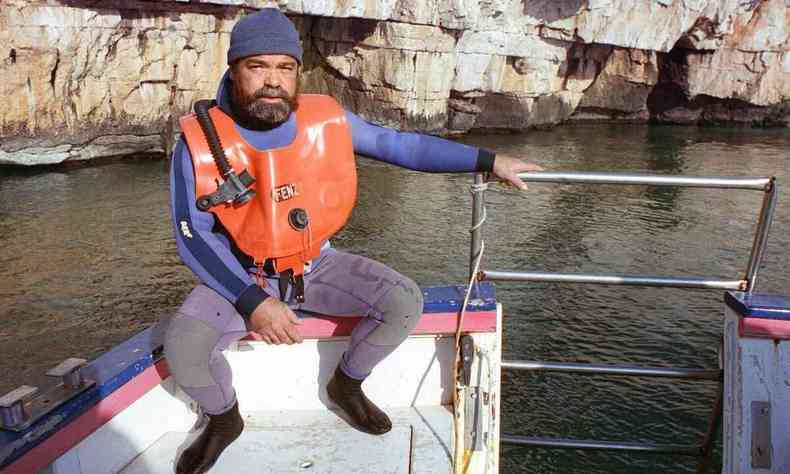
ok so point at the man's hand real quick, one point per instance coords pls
(506, 168)
(275, 322)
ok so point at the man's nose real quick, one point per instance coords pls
(271, 78)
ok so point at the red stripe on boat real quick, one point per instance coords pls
(80, 428)
(764, 328)
(433, 323)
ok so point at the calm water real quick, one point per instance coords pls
(88, 259)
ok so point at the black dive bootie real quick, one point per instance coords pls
(347, 394)
(221, 430)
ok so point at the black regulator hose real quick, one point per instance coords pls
(235, 188)
(201, 111)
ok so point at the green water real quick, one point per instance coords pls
(88, 259)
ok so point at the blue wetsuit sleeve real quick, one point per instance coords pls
(416, 151)
(202, 250)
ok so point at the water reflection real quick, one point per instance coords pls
(663, 153)
(88, 259)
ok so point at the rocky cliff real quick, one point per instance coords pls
(85, 79)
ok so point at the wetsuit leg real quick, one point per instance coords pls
(203, 326)
(343, 284)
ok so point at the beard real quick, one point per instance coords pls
(255, 114)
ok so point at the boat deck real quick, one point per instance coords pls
(320, 441)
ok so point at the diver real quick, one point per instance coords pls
(261, 251)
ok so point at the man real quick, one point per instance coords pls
(261, 111)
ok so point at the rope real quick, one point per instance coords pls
(466, 301)
(460, 459)
(476, 189)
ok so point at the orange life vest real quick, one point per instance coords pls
(316, 173)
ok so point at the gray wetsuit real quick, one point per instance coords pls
(339, 284)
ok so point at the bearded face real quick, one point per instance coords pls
(265, 108)
(264, 90)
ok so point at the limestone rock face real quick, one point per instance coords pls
(85, 83)
(752, 64)
(745, 78)
(393, 73)
(90, 79)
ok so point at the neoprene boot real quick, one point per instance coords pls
(347, 393)
(221, 430)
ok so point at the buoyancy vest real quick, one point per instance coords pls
(313, 179)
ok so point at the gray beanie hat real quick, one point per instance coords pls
(266, 31)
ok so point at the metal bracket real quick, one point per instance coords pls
(473, 419)
(467, 357)
(473, 409)
(69, 372)
(761, 435)
(13, 411)
(25, 405)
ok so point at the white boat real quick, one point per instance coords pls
(123, 413)
(135, 420)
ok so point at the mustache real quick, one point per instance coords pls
(270, 92)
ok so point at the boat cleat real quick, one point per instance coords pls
(25, 405)
(14, 407)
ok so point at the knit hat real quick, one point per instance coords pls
(266, 31)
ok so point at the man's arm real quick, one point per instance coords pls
(202, 250)
(421, 152)
(416, 151)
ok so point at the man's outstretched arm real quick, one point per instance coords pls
(422, 152)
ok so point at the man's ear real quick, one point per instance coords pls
(232, 69)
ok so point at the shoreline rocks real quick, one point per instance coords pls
(86, 81)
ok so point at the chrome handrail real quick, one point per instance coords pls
(630, 371)
(478, 214)
(602, 445)
(747, 283)
(726, 182)
(761, 236)
(765, 184)
(609, 279)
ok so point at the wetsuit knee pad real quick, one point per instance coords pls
(400, 311)
(189, 344)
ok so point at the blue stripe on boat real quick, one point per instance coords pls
(758, 306)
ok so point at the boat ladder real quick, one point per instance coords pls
(704, 450)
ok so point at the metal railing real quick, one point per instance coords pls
(746, 283)
(661, 372)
